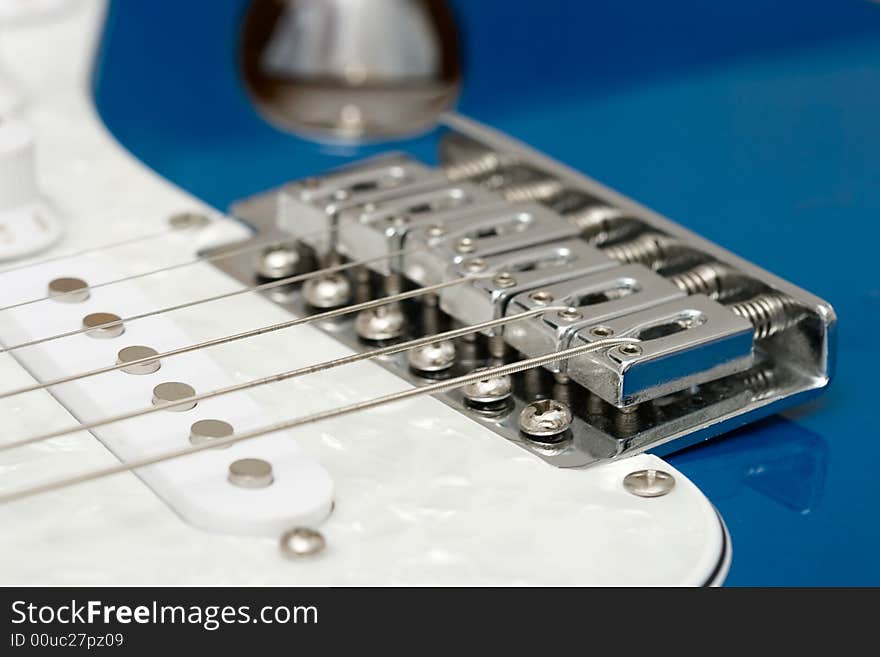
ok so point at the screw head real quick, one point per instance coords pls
(504, 280)
(602, 331)
(434, 357)
(435, 231)
(545, 417)
(302, 542)
(329, 291)
(475, 265)
(465, 245)
(187, 220)
(570, 314)
(279, 261)
(541, 297)
(630, 350)
(649, 483)
(380, 323)
(488, 391)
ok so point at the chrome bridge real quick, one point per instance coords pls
(719, 342)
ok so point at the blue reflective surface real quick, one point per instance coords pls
(755, 125)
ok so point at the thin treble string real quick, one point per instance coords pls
(298, 321)
(95, 249)
(440, 386)
(252, 246)
(226, 295)
(283, 376)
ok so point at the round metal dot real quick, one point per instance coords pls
(138, 353)
(302, 542)
(488, 391)
(250, 473)
(504, 280)
(69, 290)
(434, 357)
(475, 265)
(329, 291)
(103, 325)
(435, 231)
(649, 483)
(381, 323)
(279, 261)
(570, 314)
(601, 331)
(541, 297)
(172, 391)
(205, 431)
(186, 220)
(465, 245)
(545, 417)
(630, 349)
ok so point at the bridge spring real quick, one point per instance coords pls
(598, 223)
(769, 313)
(476, 167)
(543, 189)
(647, 249)
(711, 279)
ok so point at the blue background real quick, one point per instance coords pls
(755, 123)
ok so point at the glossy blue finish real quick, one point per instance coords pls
(756, 124)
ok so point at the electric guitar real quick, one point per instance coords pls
(455, 362)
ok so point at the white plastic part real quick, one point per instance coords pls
(423, 494)
(27, 222)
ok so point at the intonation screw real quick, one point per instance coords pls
(649, 483)
(504, 279)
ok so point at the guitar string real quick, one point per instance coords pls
(94, 249)
(252, 246)
(440, 386)
(226, 295)
(298, 321)
(283, 376)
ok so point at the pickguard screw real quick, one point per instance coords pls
(187, 220)
(649, 483)
(570, 314)
(302, 542)
(630, 349)
(504, 279)
(601, 331)
(545, 418)
(541, 297)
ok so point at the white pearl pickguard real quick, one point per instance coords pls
(423, 495)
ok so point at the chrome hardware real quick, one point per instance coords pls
(279, 261)
(649, 483)
(720, 340)
(68, 290)
(329, 291)
(530, 268)
(594, 299)
(684, 343)
(302, 542)
(545, 419)
(489, 230)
